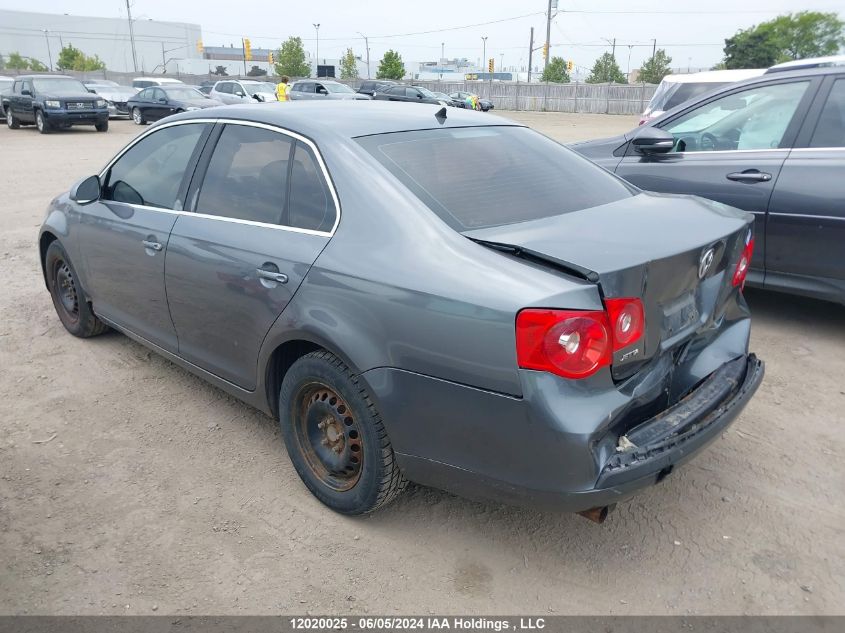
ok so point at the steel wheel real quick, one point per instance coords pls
(328, 436)
(66, 292)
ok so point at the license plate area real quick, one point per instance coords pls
(680, 315)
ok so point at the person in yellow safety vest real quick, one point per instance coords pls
(283, 89)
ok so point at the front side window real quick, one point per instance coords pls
(151, 171)
(247, 175)
(830, 130)
(752, 119)
(526, 176)
(158, 95)
(413, 93)
(146, 94)
(225, 87)
(307, 87)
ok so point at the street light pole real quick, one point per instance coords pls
(548, 34)
(367, 44)
(484, 51)
(49, 54)
(317, 65)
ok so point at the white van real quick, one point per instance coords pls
(145, 82)
(676, 89)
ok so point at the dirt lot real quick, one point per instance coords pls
(130, 486)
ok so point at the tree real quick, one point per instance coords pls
(220, 71)
(656, 68)
(791, 36)
(555, 72)
(71, 58)
(17, 62)
(2, 62)
(348, 65)
(606, 70)
(290, 59)
(37, 66)
(391, 66)
(256, 71)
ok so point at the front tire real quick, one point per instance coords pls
(74, 312)
(41, 123)
(138, 117)
(335, 436)
(11, 121)
(102, 127)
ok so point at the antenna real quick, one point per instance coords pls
(440, 115)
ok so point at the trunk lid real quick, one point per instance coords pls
(676, 253)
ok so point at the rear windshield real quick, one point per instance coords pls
(478, 177)
(670, 94)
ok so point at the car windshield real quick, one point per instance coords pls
(525, 175)
(426, 92)
(184, 93)
(5, 83)
(337, 88)
(59, 86)
(266, 86)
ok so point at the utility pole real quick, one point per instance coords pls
(530, 53)
(367, 44)
(548, 33)
(163, 61)
(442, 50)
(483, 51)
(317, 54)
(614, 49)
(653, 47)
(49, 54)
(131, 36)
(243, 53)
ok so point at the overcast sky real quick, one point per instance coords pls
(691, 31)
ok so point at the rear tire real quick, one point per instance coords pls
(41, 123)
(11, 121)
(335, 436)
(138, 117)
(102, 127)
(74, 312)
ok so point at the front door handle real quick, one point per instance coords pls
(155, 246)
(749, 175)
(272, 275)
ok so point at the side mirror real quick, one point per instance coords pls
(86, 190)
(653, 140)
(27, 92)
(322, 91)
(238, 93)
(162, 100)
(419, 96)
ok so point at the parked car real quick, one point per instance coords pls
(157, 102)
(5, 86)
(408, 94)
(371, 86)
(206, 86)
(406, 315)
(310, 89)
(809, 62)
(442, 96)
(461, 96)
(243, 91)
(116, 96)
(52, 102)
(145, 82)
(774, 146)
(100, 82)
(674, 90)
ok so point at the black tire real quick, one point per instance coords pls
(138, 116)
(74, 312)
(11, 121)
(102, 127)
(41, 123)
(347, 463)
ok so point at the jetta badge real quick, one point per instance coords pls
(705, 262)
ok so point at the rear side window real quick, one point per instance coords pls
(487, 176)
(311, 205)
(151, 171)
(830, 130)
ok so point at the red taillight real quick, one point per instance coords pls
(576, 343)
(743, 264)
(627, 319)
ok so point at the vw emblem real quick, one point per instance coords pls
(705, 262)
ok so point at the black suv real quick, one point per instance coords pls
(372, 86)
(53, 101)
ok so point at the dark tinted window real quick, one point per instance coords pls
(311, 205)
(224, 87)
(486, 176)
(151, 172)
(830, 130)
(413, 93)
(396, 90)
(247, 175)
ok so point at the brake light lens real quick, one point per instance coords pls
(627, 320)
(743, 265)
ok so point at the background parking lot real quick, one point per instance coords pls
(128, 486)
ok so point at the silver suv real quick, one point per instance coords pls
(243, 91)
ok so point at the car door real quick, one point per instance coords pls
(23, 102)
(123, 235)
(306, 90)
(805, 231)
(729, 148)
(263, 210)
(396, 93)
(160, 106)
(223, 92)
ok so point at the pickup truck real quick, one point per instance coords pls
(51, 102)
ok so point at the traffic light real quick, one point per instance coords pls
(570, 65)
(491, 65)
(270, 58)
(200, 47)
(545, 51)
(247, 50)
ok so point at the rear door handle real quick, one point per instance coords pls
(749, 175)
(272, 275)
(156, 246)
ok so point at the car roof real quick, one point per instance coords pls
(44, 77)
(174, 86)
(332, 119)
(715, 76)
(811, 62)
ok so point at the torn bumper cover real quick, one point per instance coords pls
(676, 433)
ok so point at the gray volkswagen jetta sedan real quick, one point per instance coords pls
(536, 331)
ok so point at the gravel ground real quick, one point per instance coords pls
(131, 487)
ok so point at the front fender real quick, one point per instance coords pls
(57, 226)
